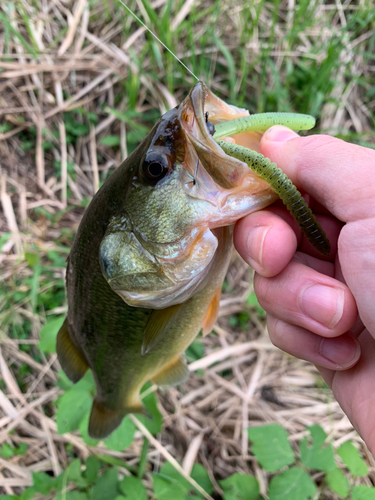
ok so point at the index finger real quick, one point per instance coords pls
(337, 174)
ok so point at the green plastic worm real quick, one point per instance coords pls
(262, 121)
(286, 190)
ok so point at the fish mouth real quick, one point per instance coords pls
(230, 188)
(227, 172)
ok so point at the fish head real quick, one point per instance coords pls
(161, 244)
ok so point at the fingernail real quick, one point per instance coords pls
(323, 304)
(279, 133)
(343, 350)
(254, 246)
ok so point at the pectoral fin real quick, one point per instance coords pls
(72, 359)
(104, 420)
(212, 313)
(157, 326)
(174, 373)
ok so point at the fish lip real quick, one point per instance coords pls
(198, 96)
(226, 171)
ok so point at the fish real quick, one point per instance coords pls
(148, 261)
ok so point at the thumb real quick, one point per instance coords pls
(337, 174)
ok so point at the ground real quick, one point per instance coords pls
(80, 84)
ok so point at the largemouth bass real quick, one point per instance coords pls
(147, 264)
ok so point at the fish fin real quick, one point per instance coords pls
(174, 373)
(158, 325)
(72, 359)
(211, 316)
(104, 420)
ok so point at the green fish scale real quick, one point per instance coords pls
(286, 190)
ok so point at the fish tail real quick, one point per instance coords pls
(104, 420)
(71, 358)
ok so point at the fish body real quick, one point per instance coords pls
(150, 255)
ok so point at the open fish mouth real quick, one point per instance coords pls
(227, 184)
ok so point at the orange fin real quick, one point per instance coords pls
(104, 420)
(157, 326)
(212, 313)
(72, 359)
(174, 373)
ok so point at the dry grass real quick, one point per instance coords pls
(82, 61)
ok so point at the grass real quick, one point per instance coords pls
(81, 83)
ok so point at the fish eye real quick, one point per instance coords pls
(155, 167)
(209, 125)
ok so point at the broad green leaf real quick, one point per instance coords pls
(195, 351)
(84, 430)
(92, 468)
(153, 424)
(28, 493)
(362, 492)
(167, 489)
(338, 482)
(87, 383)
(64, 383)
(32, 258)
(133, 488)
(169, 484)
(75, 473)
(21, 449)
(106, 486)
(169, 471)
(72, 407)
(293, 484)
(271, 446)
(7, 451)
(317, 434)
(352, 459)
(122, 437)
(43, 482)
(49, 333)
(176, 484)
(111, 140)
(240, 487)
(317, 456)
(200, 475)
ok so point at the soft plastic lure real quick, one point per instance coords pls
(269, 171)
(262, 121)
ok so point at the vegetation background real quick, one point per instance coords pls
(81, 83)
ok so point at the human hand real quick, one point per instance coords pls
(311, 300)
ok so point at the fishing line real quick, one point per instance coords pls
(158, 39)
